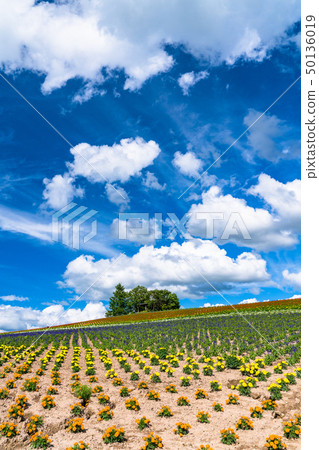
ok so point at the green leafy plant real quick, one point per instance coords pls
(103, 399)
(269, 405)
(106, 413)
(244, 423)
(77, 409)
(228, 436)
(84, 393)
(9, 429)
(132, 404)
(183, 401)
(153, 395)
(256, 412)
(151, 442)
(203, 417)
(34, 423)
(215, 386)
(143, 423)
(274, 441)
(75, 425)
(39, 440)
(113, 434)
(165, 411)
(182, 429)
(200, 393)
(218, 407)
(292, 430)
(135, 376)
(48, 402)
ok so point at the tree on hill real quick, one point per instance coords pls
(162, 300)
(141, 299)
(118, 302)
(138, 298)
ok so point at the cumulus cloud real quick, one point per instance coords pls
(118, 162)
(293, 278)
(179, 266)
(283, 198)
(230, 219)
(13, 298)
(103, 164)
(92, 40)
(188, 163)
(189, 79)
(20, 318)
(150, 181)
(208, 305)
(248, 300)
(117, 195)
(60, 191)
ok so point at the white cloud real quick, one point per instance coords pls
(39, 226)
(88, 91)
(247, 301)
(152, 182)
(26, 223)
(188, 163)
(275, 226)
(295, 296)
(13, 298)
(284, 199)
(293, 278)
(269, 138)
(103, 164)
(60, 191)
(166, 266)
(118, 162)
(208, 305)
(20, 318)
(92, 40)
(117, 195)
(189, 79)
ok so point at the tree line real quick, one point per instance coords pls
(140, 299)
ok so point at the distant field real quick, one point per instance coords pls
(246, 365)
(189, 312)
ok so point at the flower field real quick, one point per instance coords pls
(212, 382)
(289, 304)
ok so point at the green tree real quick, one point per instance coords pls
(138, 299)
(119, 304)
(162, 299)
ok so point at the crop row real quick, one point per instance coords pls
(157, 371)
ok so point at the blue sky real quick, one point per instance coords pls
(148, 104)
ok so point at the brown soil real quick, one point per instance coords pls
(56, 418)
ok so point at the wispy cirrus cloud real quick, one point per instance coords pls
(13, 298)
